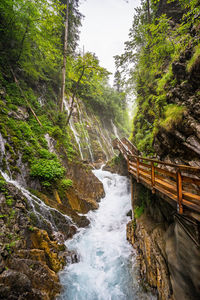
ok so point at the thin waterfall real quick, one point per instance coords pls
(85, 133)
(115, 130)
(2, 147)
(42, 211)
(101, 146)
(50, 142)
(71, 123)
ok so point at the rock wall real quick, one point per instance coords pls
(181, 142)
(167, 245)
(29, 256)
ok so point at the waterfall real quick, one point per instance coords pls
(115, 130)
(50, 142)
(85, 134)
(101, 146)
(71, 123)
(105, 270)
(2, 147)
(42, 211)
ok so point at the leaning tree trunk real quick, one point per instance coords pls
(64, 57)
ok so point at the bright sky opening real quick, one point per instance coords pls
(105, 28)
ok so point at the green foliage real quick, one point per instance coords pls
(138, 211)
(195, 59)
(9, 200)
(2, 184)
(47, 170)
(66, 183)
(146, 70)
(173, 116)
(31, 228)
(9, 247)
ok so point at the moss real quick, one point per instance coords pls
(138, 211)
(172, 116)
(9, 200)
(195, 60)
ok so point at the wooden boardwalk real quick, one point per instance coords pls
(179, 183)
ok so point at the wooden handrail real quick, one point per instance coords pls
(182, 167)
(184, 189)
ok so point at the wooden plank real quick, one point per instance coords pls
(145, 175)
(166, 172)
(134, 165)
(166, 193)
(145, 165)
(191, 205)
(192, 180)
(166, 179)
(166, 186)
(191, 197)
(182, 167)
(152, 175)
(145, 170)
(138, 172)
(161, 179)
(179, 192)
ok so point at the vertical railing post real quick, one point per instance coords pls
(132, 192)
(138, 171)
(179, 191)
(128, 164)
(153, 177)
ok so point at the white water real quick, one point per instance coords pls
(105, 269)
(85, 134)
(115, 130)
(2, 147)
(50, 142)
(76, 135)
(101, 146)
(40, 209)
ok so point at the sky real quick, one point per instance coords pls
(105, 28)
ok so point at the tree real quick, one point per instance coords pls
(85, 72)
(64, 57)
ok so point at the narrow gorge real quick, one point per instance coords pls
(99, 173)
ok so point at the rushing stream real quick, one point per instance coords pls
(105, 270)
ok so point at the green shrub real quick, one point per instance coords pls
(57, 133)
(43, 153)
(47, 170)
(66, 183)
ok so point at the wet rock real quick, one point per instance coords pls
(87, 189)
(20, 114)
(18, 281)
(168, 248)
(117, 165)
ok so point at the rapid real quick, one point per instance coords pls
(107, 263)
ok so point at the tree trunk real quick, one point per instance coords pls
(148, 12)
(74, 95)
(64, 58)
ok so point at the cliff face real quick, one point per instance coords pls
(167, 245)
(46, 180)
(181, 142)
(173, 10)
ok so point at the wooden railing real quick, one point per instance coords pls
(179, 183)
